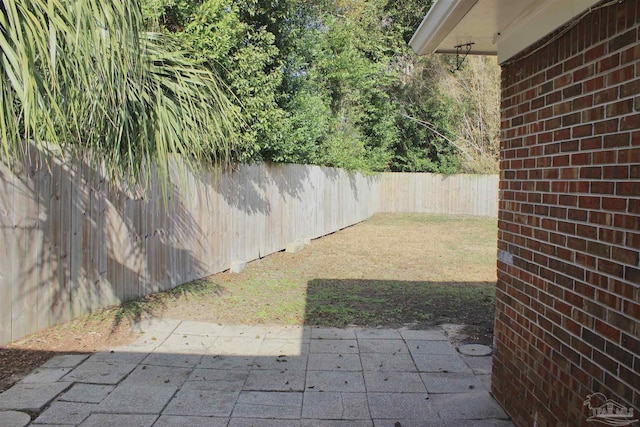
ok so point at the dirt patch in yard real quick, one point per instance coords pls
(406, 270)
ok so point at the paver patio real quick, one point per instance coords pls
(182, 373)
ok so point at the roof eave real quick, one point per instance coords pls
(521, 26)
(443, 16)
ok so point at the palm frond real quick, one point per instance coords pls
(83, 76)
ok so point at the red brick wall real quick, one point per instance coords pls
(568, 295)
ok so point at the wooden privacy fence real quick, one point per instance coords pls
(72, 242)
(444, 194)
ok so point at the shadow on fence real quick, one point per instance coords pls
(72, 242)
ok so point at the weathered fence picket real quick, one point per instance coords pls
(433, 193)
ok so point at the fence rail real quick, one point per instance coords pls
(72, 242)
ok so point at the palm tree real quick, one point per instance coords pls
(83, 76)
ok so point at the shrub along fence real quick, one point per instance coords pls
(72, 242)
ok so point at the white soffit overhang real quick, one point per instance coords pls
(495, 27)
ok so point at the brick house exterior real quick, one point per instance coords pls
(568, 293)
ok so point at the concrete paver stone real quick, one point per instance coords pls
(14, 419)
(45, 375)
(236, 346)
(282, 380)
(388, 346)
(66, 413)
(282, 362)
(100, 372)
(204, 403)
(181, 344)
(479, 365)
(176, 360)
(433, 422)
(431, 347)
(87, 393)
(31, 397)
(157, 376)
(226, 362)
(261, 404)
(440, 363)
(118, 356)
(401, 382)
(485, 380)
(205, 374)
(336, 423)
(339, 346)
(258, 422)
(65, 361)
(335, 381)
(334, 362)
(188, 327)
(478, 405)
(282, 346)
(302, 333)
(141, 345)
(333, 334)
(189, 421)
(335, 406)
(453, 382)
(52, 425)
(430, 335)
(417, 406)
(136, 399)
(244, 331)
(151, 337)
(478, 423)
(384, 362)
(383, 334)
(110, 420)
(216, 379)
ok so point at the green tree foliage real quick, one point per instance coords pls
(408, 113)
(426, 121)
(450, 120)
(329, 82)
(346, 72)
(234, 37)
(84, 76)
(333, 82)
